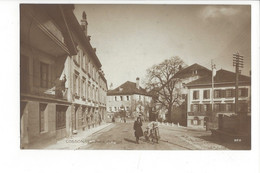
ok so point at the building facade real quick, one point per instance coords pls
(200, 100)
(129, 97)
(182, 77)
(88, 83)
(53, 79)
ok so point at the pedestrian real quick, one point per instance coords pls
(138, 129)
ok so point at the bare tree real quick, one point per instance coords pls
(161, 77)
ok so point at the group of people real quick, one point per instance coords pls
(151, 132)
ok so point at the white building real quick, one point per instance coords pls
(199, 107)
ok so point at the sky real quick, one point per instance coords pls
(131, 38)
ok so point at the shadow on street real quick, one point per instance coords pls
(129, 140)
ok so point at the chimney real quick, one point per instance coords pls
(137, 83)
(180, 67)
(84, 23)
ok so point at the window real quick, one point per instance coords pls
(195, 95)
(115, 98)
(206, 94)
(127, 98)
(195, 108)
(196, 121)
(139, 97)
(115, 108)
(44, 75)
(60, 117)
(76, 84)
(217, 94)
(121, 98)
(216, 107)
(194, 72)
(83, 88)
(229, 107)
(243, 92)
(89, 91)
(206, 107)
(229, 93)
(43, 117)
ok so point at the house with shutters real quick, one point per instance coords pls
(179, 111)
(129, 97)
(199, 101)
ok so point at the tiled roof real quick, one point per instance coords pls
(222, 76)
(127, 88)
(187, 72)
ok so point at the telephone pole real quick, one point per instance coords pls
(237, 63)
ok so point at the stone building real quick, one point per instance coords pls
(88, 83)
(57, 68)
(199, 107)
(129, 97)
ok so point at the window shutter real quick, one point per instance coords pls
(222, 107)
(197, 94)
(208, 94)
(194, 95)
(202, 108)
(246, 92)
(233, 107)
(233, 92)
(224, 93)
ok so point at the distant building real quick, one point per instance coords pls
(200, 97)
(129, 97)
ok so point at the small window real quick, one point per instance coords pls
(217, 94)
(229, 93)
(121, 98)
(127, 97)
(206, 94)
(196, 108)
(195, 95)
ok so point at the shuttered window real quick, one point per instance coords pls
(206, 94)
(195, 95)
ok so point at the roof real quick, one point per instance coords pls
(222, 76)
(74, 24)
(187, 72)
(127, 88)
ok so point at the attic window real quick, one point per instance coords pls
(120, 89)
(194, 72)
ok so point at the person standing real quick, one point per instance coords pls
(138, 129)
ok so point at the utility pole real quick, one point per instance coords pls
(213, 68)
(237, 63)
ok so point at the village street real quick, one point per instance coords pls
(120, 136)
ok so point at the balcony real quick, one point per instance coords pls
(32, 85)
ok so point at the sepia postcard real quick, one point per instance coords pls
(130, 86)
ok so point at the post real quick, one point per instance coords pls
(213, 67)
(237, 62)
